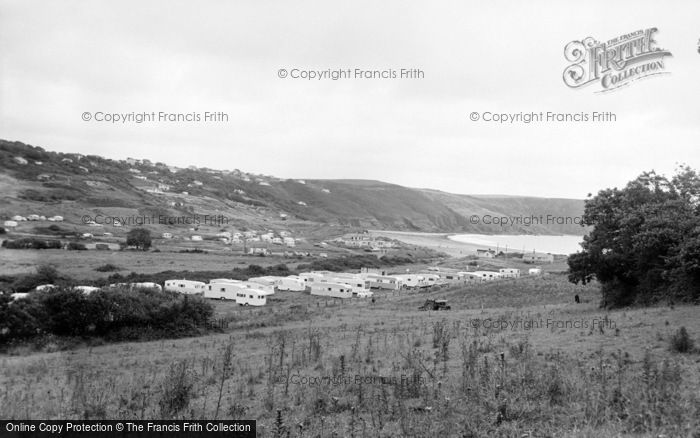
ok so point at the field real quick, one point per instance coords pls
(514, 358)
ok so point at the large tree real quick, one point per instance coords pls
(645, 242)
(140, 238)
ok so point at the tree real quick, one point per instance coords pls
(140, 238)
(645, 242)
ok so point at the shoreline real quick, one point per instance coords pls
(443, 242)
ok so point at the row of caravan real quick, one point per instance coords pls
(336, 284)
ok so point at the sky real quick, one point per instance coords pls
(60, 60)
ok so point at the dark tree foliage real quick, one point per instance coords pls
(645, 242)
(140, 238)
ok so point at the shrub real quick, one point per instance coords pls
(19, 319)
(681, 341)
(114, 314)
(31, 243)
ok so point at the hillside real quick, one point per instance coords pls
(36, 181)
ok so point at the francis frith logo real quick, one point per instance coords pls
(614, 63)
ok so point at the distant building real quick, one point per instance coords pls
(538, 257)
(486, 253)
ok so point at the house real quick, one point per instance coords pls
(486, 253)
(33, 217)
(87, 236)
(20, 160)
(167, 235)
(66, 160)
(56, 219)
(534, 271)
(196, 238)
(289, 241)
(357, 240)
(18, 218)
(509, 272)
(538, 257)
(10, 224)
(188, 287)
(277, 241)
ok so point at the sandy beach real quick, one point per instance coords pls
(436, 241)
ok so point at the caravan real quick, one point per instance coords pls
(360, 286)
(251, 297)
(336, 290)
(386, 282)
(292, 284)
(185, 286)
(266, 284)
(223, 290)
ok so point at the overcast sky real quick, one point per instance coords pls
(61, 59)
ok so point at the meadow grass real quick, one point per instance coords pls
(310, 366)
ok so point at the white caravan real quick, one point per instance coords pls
(251, 297)
(488, 275)
(360, 286)
(223, 290)
(386, 282)
(87, 290)
(188, 287)
(267, 284)
(336, 290)
(146, 285)
(509, 272)
(291, 283)
(267, 289)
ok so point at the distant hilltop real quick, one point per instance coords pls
(36, 181)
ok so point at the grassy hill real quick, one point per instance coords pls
(36, 181)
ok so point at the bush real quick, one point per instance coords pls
(113, 314)
(31, 243)
(44, 274)
(681, 342)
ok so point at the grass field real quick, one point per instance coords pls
(312, 366)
